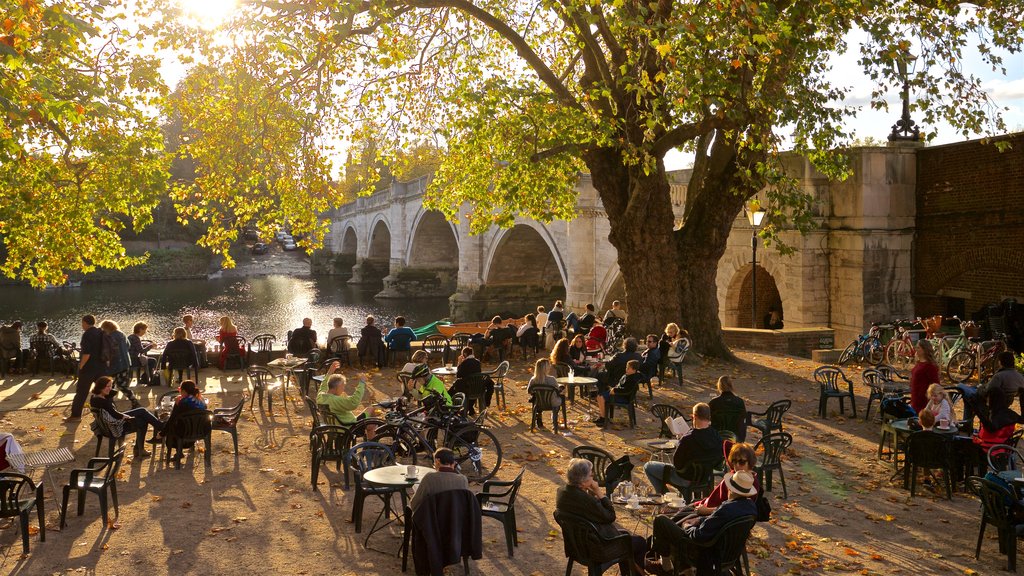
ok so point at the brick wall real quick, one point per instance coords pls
(970, 226)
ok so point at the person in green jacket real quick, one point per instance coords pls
(428, 384)
(332, 394)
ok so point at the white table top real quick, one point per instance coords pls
(395, 476)
(445, 371)
(576, 380)
(286, 362)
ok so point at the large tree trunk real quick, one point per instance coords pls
(639, 208)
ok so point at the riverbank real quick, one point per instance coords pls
(843, 515)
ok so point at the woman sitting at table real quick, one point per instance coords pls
(998, 421)
(582, 496)
(543, 380)
(189, 401)
(573, 355)
(136, 419)
(420, 357)
(183, 346)
(228, 338)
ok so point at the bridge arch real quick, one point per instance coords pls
(349, 241)
(739, 295)
(433, 243)
(525, 253)
(378, 245)
(612, 287)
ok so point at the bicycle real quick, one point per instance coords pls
(944, 352)
(979, 356)
(477, 450)
(899, 352)
(866, 348)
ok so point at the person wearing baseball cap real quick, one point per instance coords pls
(696, 528)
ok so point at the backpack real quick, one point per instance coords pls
(109, 349)
(897, 408)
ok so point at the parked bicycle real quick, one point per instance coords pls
(866, 348)
(899, 352)
(981, 356)
(477, 450)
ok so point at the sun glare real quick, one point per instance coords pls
(208, 13)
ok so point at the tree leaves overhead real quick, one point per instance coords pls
(80, 149)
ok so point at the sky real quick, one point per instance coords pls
(1007, 91)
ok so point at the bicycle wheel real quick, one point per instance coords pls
(900, 355)
(477, 453)
(960, 367)
(873, 351)
(849, 353)
(987, 369)
(403, 449)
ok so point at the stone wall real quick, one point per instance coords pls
(789, 341)
(970, 226)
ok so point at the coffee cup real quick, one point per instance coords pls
(944, 423)
(448, 366)
(410, 471)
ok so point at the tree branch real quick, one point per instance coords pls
(682, 134)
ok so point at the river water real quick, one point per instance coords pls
(272, 304)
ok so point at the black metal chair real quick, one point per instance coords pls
(927, 449)
(261, 348)
(182, 362)
(600, 459)
(663, 412)
(183, 431)
(13, 504)
(235, 347)
(682, 348)
(501, 505)
(474, 387)
(400, 349)
(727, 550)
(774, 445)
(45, 351)
(548, 400)
(730, 420)
(530, 340)
(362, 458)
(102, 431)
(997, 509)
(498, 377)
(829, 379)
(436, 346)
(558, 330)
(263, 382)
(501, 341)
(226, 420)
(338, 348)
(585, 545)
(99, 477)
(771, 418)
(701, 475)
(358, 433)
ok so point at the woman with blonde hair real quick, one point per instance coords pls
(542, 379)
(228, 338)
(940, 405)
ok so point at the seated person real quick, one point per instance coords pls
(940, 405)
(528, 333)
(626, 388)
(741, 457)
(420, 357)
(702, 444)
(698, 528)
(652, 358)
(542, 379)
(615, 367)
(136, 419)
(444, 477)
(343, 406)
(727, 402)
(188, 402)
(581, 324)
(583, 496)
(427, 385)
(138, 353)
(10, 344)
(773, 320)
(556, 315)
(399, 338)
(228, 340)
(371, 342)
(180, 344)
(303, 339)
(468, 366)
(338, 330)
(597, 337)
(578, 356)
(615, 312)
(998, 421)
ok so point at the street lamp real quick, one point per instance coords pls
(905, 129)
(754, 215)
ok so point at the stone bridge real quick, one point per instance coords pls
(853, 269)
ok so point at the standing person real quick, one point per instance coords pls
(443, 478)
(582, 496)
(371, 342)
(119, 363)
(139, 354)
(727, 401)
(303, 338)
(228, 340)
(136, 419)
(90, 364)
(922, 375)
(702, 443)
(615, 311)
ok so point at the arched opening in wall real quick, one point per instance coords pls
(616, 292)
(380, 243)
(739, 298)
(523, 274)
(434, 246)
(349, 242)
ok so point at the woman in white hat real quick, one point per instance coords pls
(668, 534)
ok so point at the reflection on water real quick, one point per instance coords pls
(273, 304)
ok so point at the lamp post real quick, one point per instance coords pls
(905, 129)
(754, 215)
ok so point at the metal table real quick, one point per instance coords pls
(44, 459)
(583, 382)
(393, 477)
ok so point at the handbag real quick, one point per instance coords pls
(764, 508)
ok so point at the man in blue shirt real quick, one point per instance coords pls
(400, 337)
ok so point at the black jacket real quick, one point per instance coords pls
(446, 527)
(599, 511)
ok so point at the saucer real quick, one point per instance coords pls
(633, 507)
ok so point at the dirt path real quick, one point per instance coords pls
(257, 513)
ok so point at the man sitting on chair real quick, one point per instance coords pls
(626, 388)
(332, 394)
(303, 338)
(702, 443)
(443, 478)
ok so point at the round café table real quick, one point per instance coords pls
(393, 477)
(444, 372)
(901, 429)
(583, 382)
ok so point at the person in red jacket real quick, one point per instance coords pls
(922, 375)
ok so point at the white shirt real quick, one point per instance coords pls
(542, 319)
